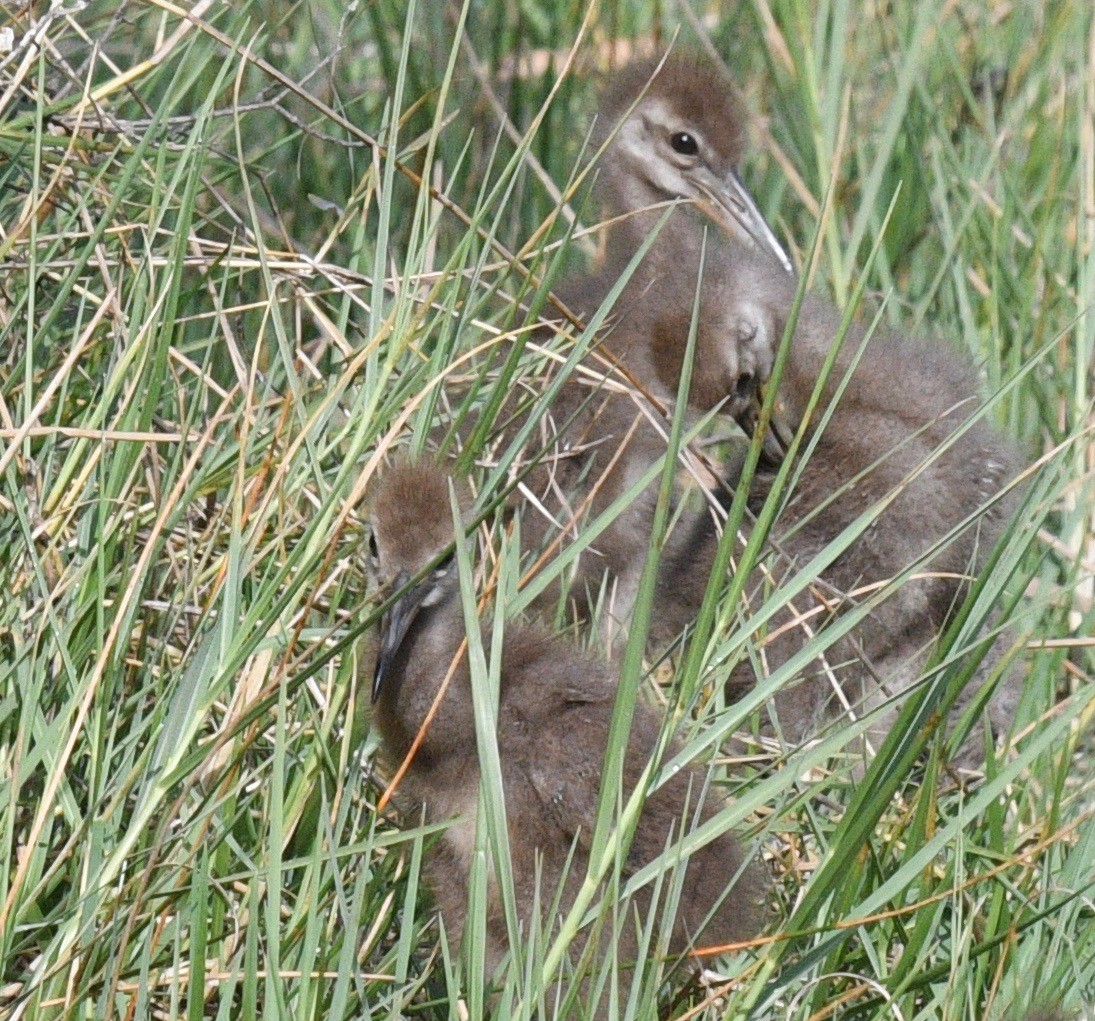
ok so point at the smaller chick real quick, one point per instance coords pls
(555, 707)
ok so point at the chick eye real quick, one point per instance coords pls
(684, 143)
(374, 552)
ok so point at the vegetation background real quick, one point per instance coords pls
(226, 293)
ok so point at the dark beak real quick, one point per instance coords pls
(775, 442)
(394, 626)
(773, 447)
(734, 208)
(746, 415)
(777, 437)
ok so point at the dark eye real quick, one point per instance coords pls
(373, 551)
(684, 143)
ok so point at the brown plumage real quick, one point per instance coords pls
(553, 716)
(598, 438)
(904, 400)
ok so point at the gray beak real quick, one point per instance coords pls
(394, 626)
(735, 209)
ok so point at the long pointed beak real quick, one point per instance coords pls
(777, 437)
(735, 209)
(394, 626)
(746, 415)
(773, 446)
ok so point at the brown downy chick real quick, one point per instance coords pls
(554, 710)
(904, 400)
(679, 134)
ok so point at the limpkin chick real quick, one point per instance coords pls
(671, 131)
(902, 425)
(608, 424)
(554, 710)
